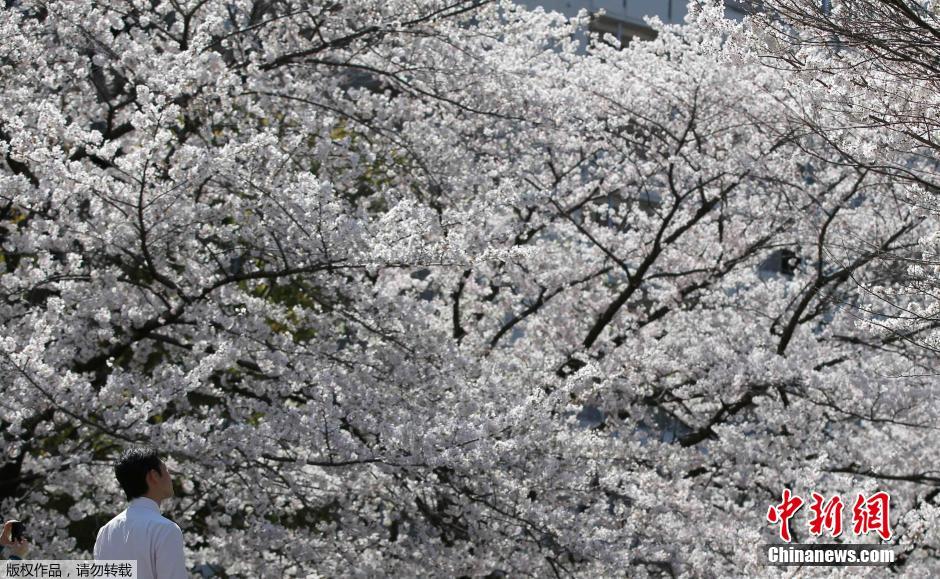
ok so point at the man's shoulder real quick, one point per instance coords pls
(167, 533)
(115, 520)
(148, 518)
(104, 532)
(168, 524)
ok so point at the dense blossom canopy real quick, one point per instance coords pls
(418, 287)
(873, 66)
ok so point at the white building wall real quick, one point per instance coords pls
(627, 10)
(631, 12)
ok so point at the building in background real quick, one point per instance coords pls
(624, 18)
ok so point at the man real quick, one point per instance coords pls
(140, 532)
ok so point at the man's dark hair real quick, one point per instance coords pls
(132, 468)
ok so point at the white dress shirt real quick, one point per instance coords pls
(140, 532)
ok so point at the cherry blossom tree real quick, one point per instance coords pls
(872, 66)
(435, 288)
(863, 80)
